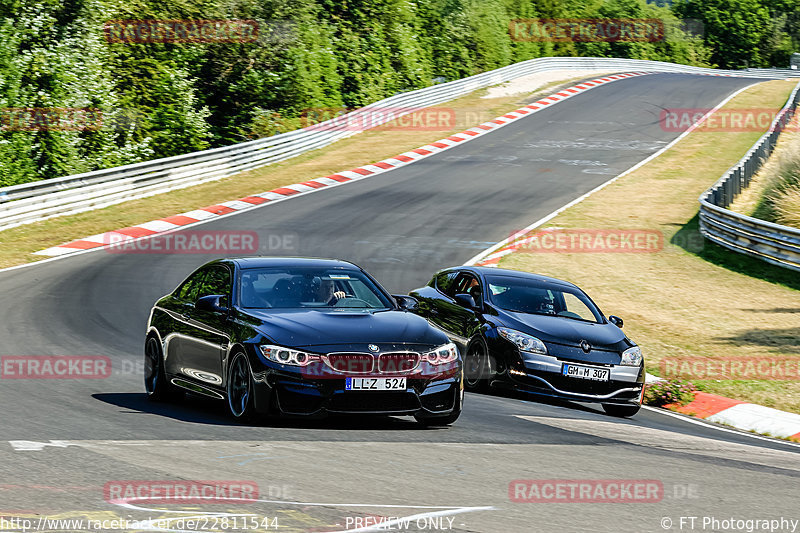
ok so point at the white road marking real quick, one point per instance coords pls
(635, 433)
(34, 446)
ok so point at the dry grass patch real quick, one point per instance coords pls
(774, 192)
(691, 298)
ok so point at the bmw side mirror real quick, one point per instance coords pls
(406, 303)
(465, 300)
(617, 321)
(213, 303)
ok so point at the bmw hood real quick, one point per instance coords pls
(309, 328)
(560, 330)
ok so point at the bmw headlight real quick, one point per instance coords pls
(523, 341)
(287, 356)
(446, 353)
(631, 357)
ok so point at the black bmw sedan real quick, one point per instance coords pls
(535, 334)
(305, 337)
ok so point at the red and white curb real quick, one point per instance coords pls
(743, 415)
(515, 243)
(155, 227)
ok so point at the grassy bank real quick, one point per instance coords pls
(774, 192)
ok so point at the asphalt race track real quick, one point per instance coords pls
(321, 476)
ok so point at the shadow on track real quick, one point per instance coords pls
(532, 398)
(200, 410)
(195, 409)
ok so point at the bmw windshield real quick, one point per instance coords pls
(309, 287)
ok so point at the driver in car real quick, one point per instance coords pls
(474, 290)
(327, 292)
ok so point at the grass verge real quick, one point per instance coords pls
(774, 192)
(18, 244)
(691, 298)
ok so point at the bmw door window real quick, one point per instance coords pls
(216, 281)
(190, 289)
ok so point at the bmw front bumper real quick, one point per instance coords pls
(293, 393)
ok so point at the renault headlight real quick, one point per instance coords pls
(631, 357)
(523, 341)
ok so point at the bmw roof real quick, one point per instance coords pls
(260, 262)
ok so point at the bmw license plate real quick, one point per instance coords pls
(585, 372)
(370, 384)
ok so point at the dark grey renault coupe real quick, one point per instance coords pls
(300, 337)
(535, 334)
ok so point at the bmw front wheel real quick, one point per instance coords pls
(240, 388)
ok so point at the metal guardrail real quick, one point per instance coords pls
(30, 202)
(770, 242)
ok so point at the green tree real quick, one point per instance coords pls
(163, 99)
(53, 56)
(734, 29)
(489, 39)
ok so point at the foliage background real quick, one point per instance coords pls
(160, 100)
